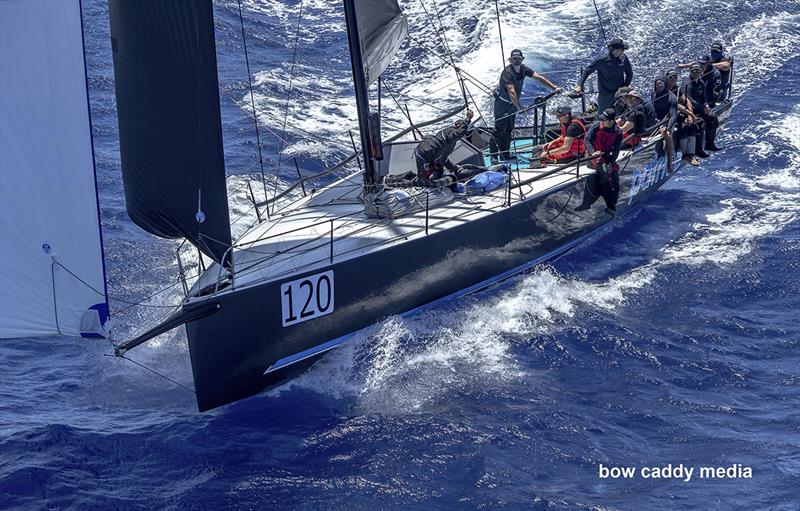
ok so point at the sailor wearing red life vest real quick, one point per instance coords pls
(569, 146)
(603, 142)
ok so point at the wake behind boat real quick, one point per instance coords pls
(322, 267)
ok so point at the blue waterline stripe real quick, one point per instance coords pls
(329, 345)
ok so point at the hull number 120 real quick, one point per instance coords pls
(307, 298)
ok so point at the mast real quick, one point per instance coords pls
(360, 82)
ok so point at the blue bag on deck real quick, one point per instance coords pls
(485, 182)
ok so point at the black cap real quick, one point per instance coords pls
(617, 44)
(717, 46)
(696, 66)
(564, 109)
(705, 59)
(517, 53)
(607, 115)
(670, 73)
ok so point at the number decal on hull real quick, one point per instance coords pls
(307, 298)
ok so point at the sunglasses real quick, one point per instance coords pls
(696, 71)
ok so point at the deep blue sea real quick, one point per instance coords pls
(672, 338)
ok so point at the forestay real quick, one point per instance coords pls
(51, 262)
(382, 27)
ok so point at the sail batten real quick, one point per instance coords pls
(382, 28)
(170, 130)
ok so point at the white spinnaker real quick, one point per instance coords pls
(48, 195)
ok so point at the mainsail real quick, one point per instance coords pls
(52, 279)
(170, 131)
(382, 27)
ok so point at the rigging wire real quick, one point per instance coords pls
(402, 110)
(440, 34)
(154, 372)
(288, 94)
(450, 54)
(477, 82)
(500, 31)
(253, 103)
(600, 20)
(110, 297)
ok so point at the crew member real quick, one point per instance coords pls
(687, 131)
(665, 104)
(613, 71)
(433, 151)
(569, 146)
(713, 79)
(672, 81)
(695, 91)
(723, 63)
(619, 100)
(506, 102)
(603, 142)
(637, 119)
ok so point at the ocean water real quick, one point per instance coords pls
(672, 338)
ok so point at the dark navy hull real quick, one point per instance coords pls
(232, 349)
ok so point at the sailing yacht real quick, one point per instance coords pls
(302, 281)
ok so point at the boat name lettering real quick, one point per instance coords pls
(644, 179)
(307, 298)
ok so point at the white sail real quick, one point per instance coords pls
(52, 278)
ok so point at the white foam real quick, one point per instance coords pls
(411, 364)
(730, 233)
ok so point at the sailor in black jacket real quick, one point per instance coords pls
(723, 63)
(613, 71)
(665, 104)
(433, 151)
(713, 78)
(696, 92)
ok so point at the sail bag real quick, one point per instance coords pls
(170, 133)
(382, 27)
(52, 278)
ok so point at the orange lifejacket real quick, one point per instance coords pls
(576, 149)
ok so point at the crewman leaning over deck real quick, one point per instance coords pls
(613, 71)
(506, 103)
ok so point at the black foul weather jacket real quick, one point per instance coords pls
(436, 148)
(612, 73)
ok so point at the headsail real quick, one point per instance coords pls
(382, 27)
(170, 131)
(52, 279)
